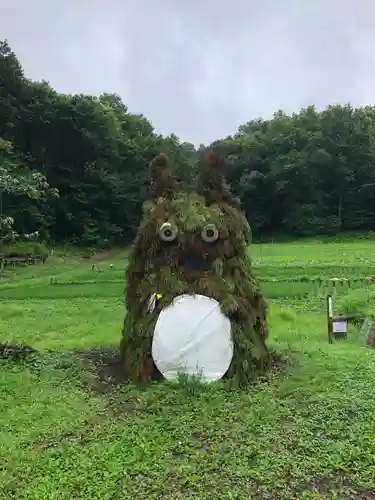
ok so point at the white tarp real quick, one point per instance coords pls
(192, 336)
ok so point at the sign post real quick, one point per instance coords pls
(337, 325)
(329, 319)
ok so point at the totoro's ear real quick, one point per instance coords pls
(211, 182)
(161, 179)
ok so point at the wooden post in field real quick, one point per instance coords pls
(330, 318)
(315, 287)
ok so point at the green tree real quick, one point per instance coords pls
(18, 182)
(308, 173)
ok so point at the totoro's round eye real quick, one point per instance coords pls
(210, 233)
(168, 231)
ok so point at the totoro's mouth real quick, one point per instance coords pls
(193, 262)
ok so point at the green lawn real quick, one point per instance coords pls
(308, 433)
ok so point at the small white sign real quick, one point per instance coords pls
(151, 303)
(340, 327)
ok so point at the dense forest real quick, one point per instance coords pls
(73, 167)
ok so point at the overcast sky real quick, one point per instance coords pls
(199, 68)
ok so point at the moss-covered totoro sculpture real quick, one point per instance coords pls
(193, 243)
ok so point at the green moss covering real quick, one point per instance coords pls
(206, 254)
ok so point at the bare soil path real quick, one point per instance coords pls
(106, 255)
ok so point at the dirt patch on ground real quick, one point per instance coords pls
(106, 255)
(107, 368)
(365, 495)
(339, 487)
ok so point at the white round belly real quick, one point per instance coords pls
(193, 337)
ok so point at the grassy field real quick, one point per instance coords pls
(307, 433)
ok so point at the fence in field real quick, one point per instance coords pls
(302, 288)
(20, 261)
(111, 286)
(288, 288)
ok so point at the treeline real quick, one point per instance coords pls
(306, 174)
(73, 167)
